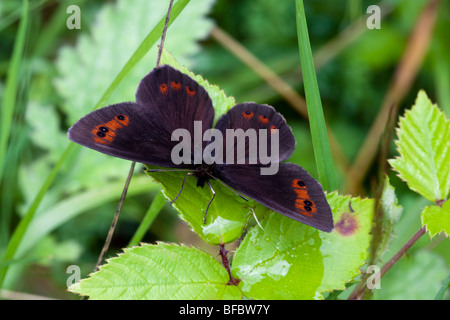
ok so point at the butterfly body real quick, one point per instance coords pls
(168, 100)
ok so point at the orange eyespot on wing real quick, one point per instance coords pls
(175, 85)
(190, 91)
(163, 88)
(263, 119)
(247, 114)
(123, 119)
(303, 202)
(106, 132)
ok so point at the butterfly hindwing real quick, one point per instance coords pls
(291, 192)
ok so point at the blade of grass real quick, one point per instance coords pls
(9, 97)
(24, 223)
(157, 204)
(146, 44)
(321, 145)
(445, 285)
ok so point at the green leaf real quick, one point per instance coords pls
(437, 219)
(283, 261)
(424, 147)
(161, 271)
(289, 260)
(227, 215)
(345, 249)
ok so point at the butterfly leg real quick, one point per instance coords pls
(209, 203)
(182, 186)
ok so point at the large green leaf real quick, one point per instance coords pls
(424, 147)
(289, 260)
(161, 271)
(227, 215)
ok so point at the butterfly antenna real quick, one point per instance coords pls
(227, 186)
(209, 203)
(182, 187)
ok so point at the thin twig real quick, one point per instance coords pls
(163, 36)
(226, 263)
(360, 290)
(402, 251)
(116, 218)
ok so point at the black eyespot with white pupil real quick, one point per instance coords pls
(101, 134)
(121, 117)
(103, 129)
(308, 203)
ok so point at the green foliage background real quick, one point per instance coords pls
(63, 73)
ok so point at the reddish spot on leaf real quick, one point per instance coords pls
(347, 225)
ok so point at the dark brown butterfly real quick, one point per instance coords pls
(168, 100)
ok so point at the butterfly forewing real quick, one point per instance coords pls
(125, 130)
(166, 100)
(244, 122)
(176, 100)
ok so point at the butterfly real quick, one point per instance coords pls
(168, 100)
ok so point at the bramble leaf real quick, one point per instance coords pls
(424, 147)
(161, 271)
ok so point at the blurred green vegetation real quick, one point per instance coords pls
(63, 73)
